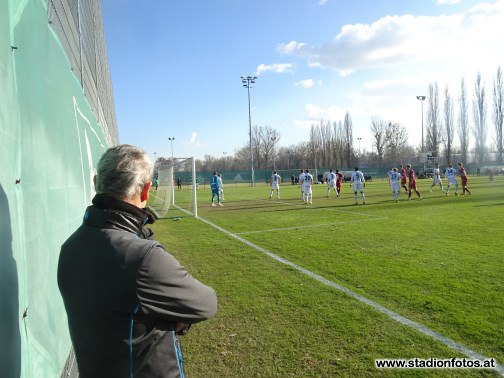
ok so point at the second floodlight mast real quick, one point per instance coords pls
(247, 81)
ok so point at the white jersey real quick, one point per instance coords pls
(307, 180)
(436, 175)
(450, 175)
(331, 179)
(357, 179)
(275, 181)
(301, 177)
(220, 182)
(358, 176)
(394, 178)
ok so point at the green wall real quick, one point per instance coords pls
(50, 143)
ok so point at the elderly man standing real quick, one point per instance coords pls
(126, 297)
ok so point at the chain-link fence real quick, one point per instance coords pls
(79, 26)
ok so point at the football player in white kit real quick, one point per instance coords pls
(307, 186)
(395, 186)
(436, 178)
(300, 180)
(275, 184)
(221, 187)
(450, 175)
(331, 183)
(358, 183)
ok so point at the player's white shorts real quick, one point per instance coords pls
(275, 186)
(357, 186)
(452, 180)
(307, 189)
(437, 180)
(394, 185)
(331, 184)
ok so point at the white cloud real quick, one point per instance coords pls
(460, 38)
(314, 114)
(277, 68)
(448, 2)
(322, 2)
(307, 84)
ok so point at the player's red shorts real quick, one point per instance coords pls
(403, 181)
(412, 184)
(464, 180)
(338, 185)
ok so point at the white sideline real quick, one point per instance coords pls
(391, 314)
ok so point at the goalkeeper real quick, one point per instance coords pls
(216, 187)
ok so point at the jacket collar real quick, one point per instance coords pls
(109, 212)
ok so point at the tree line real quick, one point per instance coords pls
(331, 143)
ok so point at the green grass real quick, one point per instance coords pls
(438, 262)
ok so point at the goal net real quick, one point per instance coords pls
(175, 195)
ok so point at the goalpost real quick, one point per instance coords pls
(175, 196)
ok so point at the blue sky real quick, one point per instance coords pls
(176, 65)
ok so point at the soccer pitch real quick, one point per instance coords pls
(326, 289)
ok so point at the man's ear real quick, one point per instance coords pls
(144, 196)
(94, 181)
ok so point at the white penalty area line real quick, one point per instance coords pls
(310, 226)
(391, 314)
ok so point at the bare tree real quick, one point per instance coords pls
(396, 138)
(498, 112)
(269, 139)
(348, 146)
(264, 140)
(448, 125)
(338, 143)
(314, 146)
(479, 112)
(327, 146)
(434, 130)
(463, 123)
(378, 130)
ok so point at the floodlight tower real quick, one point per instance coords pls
(247, 81)
(421, 98)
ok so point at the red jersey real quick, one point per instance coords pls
(412, 178)
(463, 175)
(403, 175)
(339, 177)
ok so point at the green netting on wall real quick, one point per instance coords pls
(50, 143)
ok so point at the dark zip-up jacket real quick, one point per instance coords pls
(124, 294)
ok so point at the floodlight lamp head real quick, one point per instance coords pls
(421, 98)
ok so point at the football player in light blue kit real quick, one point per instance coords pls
(450, 175)
(275, 184)
(215, 186)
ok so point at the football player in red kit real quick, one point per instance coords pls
(463, 177)
(412, 182)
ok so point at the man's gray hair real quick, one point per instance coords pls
(123, 171)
